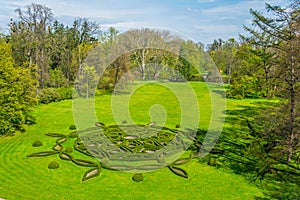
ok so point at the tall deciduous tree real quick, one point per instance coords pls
(144, 43)
(224, 55)
(30, 37)
(87, 81)
(82, 32)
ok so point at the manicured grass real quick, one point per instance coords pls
(30, 178)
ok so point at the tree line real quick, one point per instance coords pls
(266, 64)
(41, 60)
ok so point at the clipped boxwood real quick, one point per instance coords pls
(37, 144)
(212, 162)
(138, 177)
(72, 127)
(69, 149)
(53, 165)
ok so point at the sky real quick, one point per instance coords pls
(198, 20)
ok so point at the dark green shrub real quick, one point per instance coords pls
(65, 93)
(212, 162)
(48, 95)
(69, 149)
(138, 177)
(37, 144)
(246, 86)
(53, 165)
(106, 85)
(72, 127)
(196, 77)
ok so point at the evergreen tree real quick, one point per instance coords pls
(17, 93)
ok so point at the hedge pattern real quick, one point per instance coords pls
(129, 143)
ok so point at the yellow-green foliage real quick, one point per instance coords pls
(17, 92)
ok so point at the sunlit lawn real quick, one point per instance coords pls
(29, 178)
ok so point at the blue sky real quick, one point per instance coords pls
(199, 20)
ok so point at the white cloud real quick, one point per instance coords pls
(194, 10)
(124, 25)
(206, 1)
(217, 28)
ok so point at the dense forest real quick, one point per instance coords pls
(40, 61)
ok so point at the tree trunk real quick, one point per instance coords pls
(116, 75)
(142, 55)
(292, 112)
(87, 90)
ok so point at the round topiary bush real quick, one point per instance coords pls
(212, 162)
(69, 149)
(72, 127)
(138, 177)
(53, 165)
(37, 144)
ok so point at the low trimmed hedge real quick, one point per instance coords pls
(37, 144)
(48, 95)
(53, 165)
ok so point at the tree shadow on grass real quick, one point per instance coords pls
(281, 186)
(236, 138)
(235, 141)
(232, 151)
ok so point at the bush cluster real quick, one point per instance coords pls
(246, 86)
(37, 144)
(48, 95)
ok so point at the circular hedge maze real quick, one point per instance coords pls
(119, 151)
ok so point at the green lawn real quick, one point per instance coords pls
(29, 178)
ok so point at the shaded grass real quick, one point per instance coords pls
(29, 178)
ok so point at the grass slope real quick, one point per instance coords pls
(29, 178)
